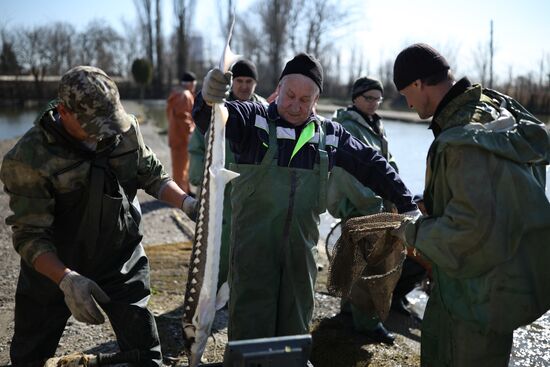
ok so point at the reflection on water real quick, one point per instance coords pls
(156, 111)
(15, 122)
(409, 144)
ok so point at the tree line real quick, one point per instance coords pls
(268, 33)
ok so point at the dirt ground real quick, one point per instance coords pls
(167, 240)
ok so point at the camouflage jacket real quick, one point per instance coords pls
(41, 166)
(488, 221)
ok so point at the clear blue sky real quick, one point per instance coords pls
(384, 27)
(521, 29)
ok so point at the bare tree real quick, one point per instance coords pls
(491, 55)
(509, 81)
(481, 56)
(356, 66)
(9, 64)
(159, 66)
(184, 11)
(61, 51)
(145, 14)
(286, 26)
(332, 84)
(450, 50)
(225, 15)
(99, 45)
(133, 45)
(541, 72)
(385, 73)
(274, 20)
(323, 15)
(294, 21)
(31, 45)
(248, 41)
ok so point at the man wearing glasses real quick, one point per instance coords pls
(348, 198)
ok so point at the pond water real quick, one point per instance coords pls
(15, 122)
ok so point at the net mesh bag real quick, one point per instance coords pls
(367, 262)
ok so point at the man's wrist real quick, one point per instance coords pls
(65, 273)
(49, 265)
(184, 196)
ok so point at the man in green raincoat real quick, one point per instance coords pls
(348, 198)
(245, 79)
(72, 181)
(488, 223)
(284, 153)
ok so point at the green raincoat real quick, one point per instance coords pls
(347, 197)
(487, 231)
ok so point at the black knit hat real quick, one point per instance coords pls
(306, 65)
(244, 68)
(364, 84)
(188, 76)
(417, 61)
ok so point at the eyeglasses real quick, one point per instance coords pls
(370, 99)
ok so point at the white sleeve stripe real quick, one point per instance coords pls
(332, 140)
(314, 139)
(286, 133)
(261, 123)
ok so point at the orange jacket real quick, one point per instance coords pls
(180, 122)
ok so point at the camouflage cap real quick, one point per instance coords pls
(93, 97)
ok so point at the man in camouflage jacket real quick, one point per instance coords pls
(488, 219)
(72, 182)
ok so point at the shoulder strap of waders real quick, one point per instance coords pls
(323, 166)
(272, 148)
(383, 140)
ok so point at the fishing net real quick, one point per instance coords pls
(367, 262)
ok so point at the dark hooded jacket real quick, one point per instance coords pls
(489, 218)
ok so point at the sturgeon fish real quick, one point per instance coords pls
(201, 299)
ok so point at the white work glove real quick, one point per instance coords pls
(190, 207)
(81, 295)
(414, 214)
(216, 85)
(411, 217)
